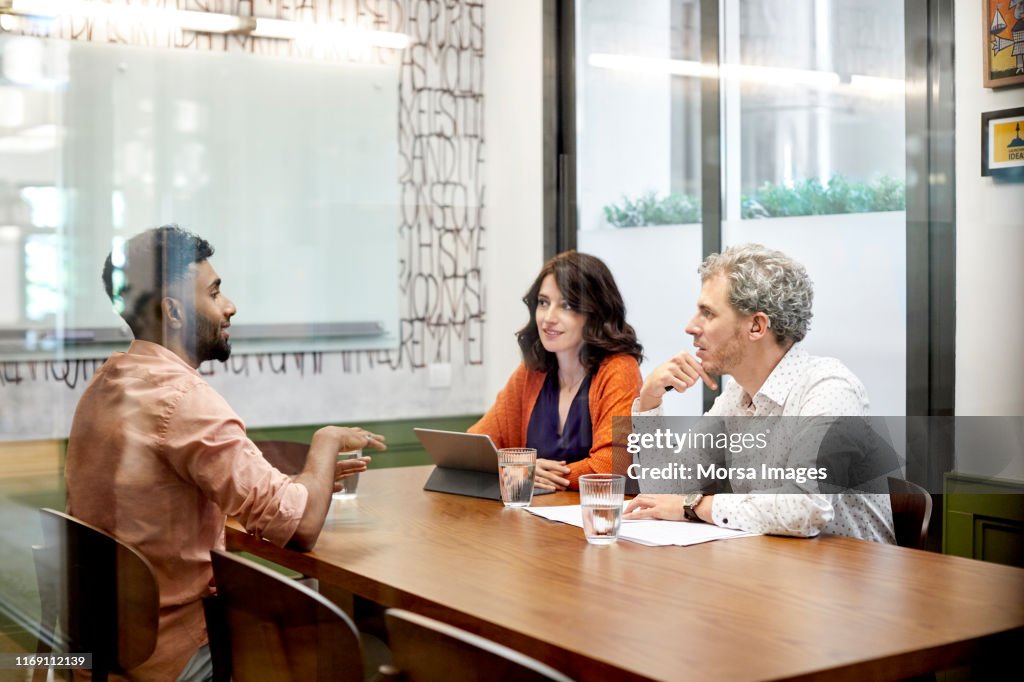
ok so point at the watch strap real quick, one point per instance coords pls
(689, 513)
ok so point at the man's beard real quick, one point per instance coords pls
(210, 342)
(728, 357)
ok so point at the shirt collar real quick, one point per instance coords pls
(155, 350)
(782, 380)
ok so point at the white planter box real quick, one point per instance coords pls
(656, 270)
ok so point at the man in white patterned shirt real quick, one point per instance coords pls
(754, 306)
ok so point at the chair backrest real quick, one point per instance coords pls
(103, 592)
(425, 650)
(287, 456)
(911, 512)
(271, 628)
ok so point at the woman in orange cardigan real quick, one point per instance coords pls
(581, 366)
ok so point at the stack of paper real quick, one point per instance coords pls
(647, 532)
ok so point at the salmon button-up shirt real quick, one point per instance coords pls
(157, 458)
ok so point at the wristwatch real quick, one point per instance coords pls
(689, 502)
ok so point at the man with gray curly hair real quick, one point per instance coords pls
(769, 282)
(754, 307)
(755, 304)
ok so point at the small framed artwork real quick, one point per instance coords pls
(1002, 143)
(1003, 42)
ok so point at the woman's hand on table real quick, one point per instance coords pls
(551, 475)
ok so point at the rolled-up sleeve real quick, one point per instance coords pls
(205, 442)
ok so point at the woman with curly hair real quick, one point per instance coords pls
(581, 367)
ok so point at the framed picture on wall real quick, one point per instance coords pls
(1003, 42)
(1002, 143)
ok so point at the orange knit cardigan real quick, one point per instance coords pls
(612, 391)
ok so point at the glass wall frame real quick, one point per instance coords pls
(929, 171)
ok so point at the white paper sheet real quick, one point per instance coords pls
(647, 532)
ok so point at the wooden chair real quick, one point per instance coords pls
(265, 627)
(911, 512)
(287, 456)
(102, 592)
(425, 650)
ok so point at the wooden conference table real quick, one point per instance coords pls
(753, 608)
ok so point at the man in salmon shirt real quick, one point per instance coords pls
(157, 457)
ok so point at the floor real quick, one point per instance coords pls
(29, 479)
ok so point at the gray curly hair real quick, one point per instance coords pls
(762, 280)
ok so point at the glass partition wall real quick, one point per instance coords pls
(638, 141)
(812, 162)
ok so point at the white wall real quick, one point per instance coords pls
(514, 222)
(837, 251)
(990, 245)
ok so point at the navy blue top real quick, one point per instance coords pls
(542, 432)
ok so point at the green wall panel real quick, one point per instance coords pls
(403, 447)
(984, 519)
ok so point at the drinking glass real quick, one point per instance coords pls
(349, 483)
(601, 503)
(516, 467)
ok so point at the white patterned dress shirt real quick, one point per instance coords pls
(801, 385)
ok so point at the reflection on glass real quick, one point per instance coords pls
(42, 277)
(826, 140)
(814, 99)
(638, 170)
(267, 158)
(638, 125)
(44, 205)
(813, 125)
(32, 75)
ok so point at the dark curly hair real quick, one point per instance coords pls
(589, 288)
(139, 273)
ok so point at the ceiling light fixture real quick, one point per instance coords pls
(742, 72)
(206, 22)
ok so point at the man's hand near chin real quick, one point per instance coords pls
(680, 373)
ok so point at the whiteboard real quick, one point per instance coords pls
(289, 168)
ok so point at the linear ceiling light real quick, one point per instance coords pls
(741, 72)
(206, 22)
(887, 86)
(338, 33)
(202, 22)
(627, 62)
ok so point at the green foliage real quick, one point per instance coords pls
(648, 209)
(807, 197)
(889, 194)
(810, 197)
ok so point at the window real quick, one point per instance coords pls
(639, 163)
(812, 163)
(814, 158)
